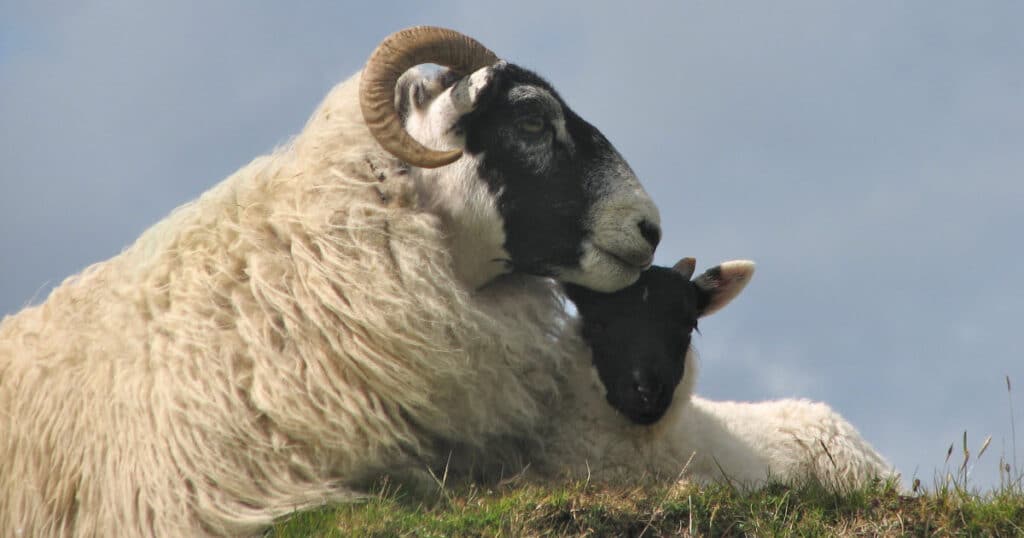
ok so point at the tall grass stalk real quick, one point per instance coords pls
(1013, 426)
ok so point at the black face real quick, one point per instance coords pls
(545, 177)
(639, 337)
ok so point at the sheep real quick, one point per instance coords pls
(353, 304)
(638, 335)
(640, 340)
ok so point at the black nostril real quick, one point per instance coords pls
(651, 232)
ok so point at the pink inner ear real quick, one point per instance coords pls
(736, 272)
(733, 276)
(685, 267)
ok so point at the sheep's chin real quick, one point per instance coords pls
(602, 271)
(645, 419)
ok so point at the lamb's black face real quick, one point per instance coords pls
(639, 337)
(558, 199)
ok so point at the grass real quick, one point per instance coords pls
(949, 508)
(583, 509)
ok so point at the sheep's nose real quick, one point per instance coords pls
(644, 392)
(651, 232)
(648, 393)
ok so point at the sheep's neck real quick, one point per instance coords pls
(475, 230)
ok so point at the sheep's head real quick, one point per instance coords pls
(640, 335)
(524, 183)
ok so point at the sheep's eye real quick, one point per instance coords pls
(531, 125)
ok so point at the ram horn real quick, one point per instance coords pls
(397, 53)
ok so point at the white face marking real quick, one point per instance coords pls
(615, 218)
(599, 272)
(454, 192)
(431, 123)
(561, 134)
(477, 82)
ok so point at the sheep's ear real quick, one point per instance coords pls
(415, 90)
(470, 92)
(721, 284)
(453, 94)
(685, 267)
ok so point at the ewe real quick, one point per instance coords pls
(349, 305)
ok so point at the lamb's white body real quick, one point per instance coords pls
(747, 444)
(751, 443)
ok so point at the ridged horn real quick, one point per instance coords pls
(396, 54)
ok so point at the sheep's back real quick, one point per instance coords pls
(296, 330)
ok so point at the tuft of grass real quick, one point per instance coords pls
(588, 509)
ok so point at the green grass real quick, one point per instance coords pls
(596, 510)
(948, 508)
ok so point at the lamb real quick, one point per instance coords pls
(639, 335)
(640, 339)
(350, 305)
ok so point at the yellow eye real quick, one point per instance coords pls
(531, 125)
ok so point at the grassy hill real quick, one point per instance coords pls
(585, 509)
(947, 507)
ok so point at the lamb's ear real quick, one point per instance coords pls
(721, 284)
(685, 267)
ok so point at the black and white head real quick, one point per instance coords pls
(640, 336)
(524, 183)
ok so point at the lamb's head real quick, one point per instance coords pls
(640, 336)
(527, 185)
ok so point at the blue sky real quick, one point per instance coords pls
(869, 156)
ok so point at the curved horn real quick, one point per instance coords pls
(397, 53)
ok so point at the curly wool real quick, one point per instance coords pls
(291, 334)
